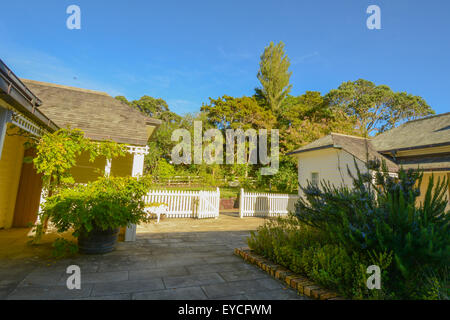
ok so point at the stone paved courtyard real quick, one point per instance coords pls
(175, 259)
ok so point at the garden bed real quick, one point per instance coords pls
(296, 281)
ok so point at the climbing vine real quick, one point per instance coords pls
(57, 153)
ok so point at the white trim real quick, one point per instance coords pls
(138, 150)
(138, 164)
(138, 169)
(25, 124)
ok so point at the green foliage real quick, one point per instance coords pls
(107, 203)
(152, 107)
(377, 108)
(164, 169)
(307, 117)
(384, 217)
(274, 75)
(63, 248)
(57, 153)
(284, 181)
(306, 250)
(237, 113)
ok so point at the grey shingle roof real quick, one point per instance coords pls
(434, 130)
(99, 115)
(359, 147)
(422, 133)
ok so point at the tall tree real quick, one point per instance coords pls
(377, 108)
(305, 118)
(274, 75)
(228, 112)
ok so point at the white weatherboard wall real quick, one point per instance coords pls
(331, 164)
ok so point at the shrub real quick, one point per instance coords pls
(384, 217)
(337, 232)
(107, 203)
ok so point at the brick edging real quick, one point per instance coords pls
(294, 280)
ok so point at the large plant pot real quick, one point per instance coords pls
(98, 241)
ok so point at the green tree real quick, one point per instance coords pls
(231, 113)
(377, 108)
(305, 118)
(274, 75)
(152, 107)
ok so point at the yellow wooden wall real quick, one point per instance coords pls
(86, 171)
(424, 185)
(10, 168)
(122, 166)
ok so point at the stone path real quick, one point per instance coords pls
(173, 262)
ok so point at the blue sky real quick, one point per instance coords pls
(187, 51)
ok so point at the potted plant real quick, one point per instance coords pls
(96, 211)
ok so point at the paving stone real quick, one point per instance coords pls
(236, 297)
(6, 290)
(192, 280)
(220, 290)
(275, 295)
(189, 293)
(49, 293)
(122, 296)
(157, 273)
(130, 286)
(176, 259)
(270, 283)
(100, 277)
(240, 275)
(43, 278)
(217, 267)
(128, 265)
(165, 262)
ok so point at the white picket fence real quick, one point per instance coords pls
(187, 204)
(266, 204)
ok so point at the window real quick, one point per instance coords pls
(315, 178)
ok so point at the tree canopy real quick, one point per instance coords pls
(377, 108)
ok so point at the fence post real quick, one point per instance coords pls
(241, 203)
(218, 203)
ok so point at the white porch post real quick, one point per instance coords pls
(138, 164)
(138, 170)
(108, 167)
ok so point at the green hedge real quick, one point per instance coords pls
(337, 232)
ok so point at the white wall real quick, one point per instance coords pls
(331, 164)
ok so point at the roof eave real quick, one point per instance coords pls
(21, 98)
(313, 149)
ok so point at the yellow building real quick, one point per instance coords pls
(422, 143)
(20, 186)
(98, 115)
